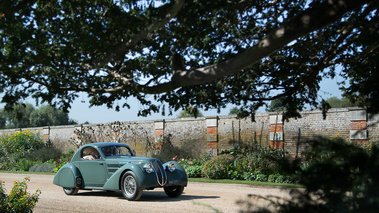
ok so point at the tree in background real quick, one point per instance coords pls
(46, 115)
(234, 111)
(25, 115)
(19, 115)
(335, 102)
(3, 119)
(276, 105)
(187, 52)
(287, 107)
(240, 112)
(190, 111)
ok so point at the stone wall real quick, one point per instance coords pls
(212, 134)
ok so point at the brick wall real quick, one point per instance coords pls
(212, 134)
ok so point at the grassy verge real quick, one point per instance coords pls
(204, 180)
(24, 172)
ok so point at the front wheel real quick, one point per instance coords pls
(70, 191)
(129, 186)
(173, 191)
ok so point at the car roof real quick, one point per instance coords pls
(100, 144)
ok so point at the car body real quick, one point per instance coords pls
(113, 167)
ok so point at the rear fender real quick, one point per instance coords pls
(68, 176)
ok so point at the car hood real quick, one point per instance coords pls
(129, 159)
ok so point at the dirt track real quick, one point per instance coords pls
(197, 197)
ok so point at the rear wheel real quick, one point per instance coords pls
(70, 191)
(174, 191)
(129, 186)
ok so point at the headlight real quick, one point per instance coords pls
(171, 167)
(148, 168)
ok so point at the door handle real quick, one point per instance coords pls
(100, 163)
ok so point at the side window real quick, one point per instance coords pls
(123, 150)
(90, 153)
(109, 151)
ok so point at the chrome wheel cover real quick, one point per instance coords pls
(130, 185)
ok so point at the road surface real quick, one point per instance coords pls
(197, 197)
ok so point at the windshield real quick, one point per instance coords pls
(116, 150)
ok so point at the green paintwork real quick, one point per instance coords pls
(114, 180)
(105, 173)
(178, 177)
(66, 176)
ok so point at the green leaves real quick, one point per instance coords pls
(113, 50)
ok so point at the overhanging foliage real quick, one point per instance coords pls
(240, 52)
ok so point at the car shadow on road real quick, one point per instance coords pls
(98, 193)
(151, 196)
(159, 196)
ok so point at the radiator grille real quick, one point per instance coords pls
(159, 172)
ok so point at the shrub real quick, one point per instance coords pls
(4, 163)
(250, 159)
(193, 171)
(192, 166)
(23, 165)
(249, 176)
(272, 178)
(261, 177)
(59, 163)
(218, 167)
(21, 142)
(14, 147)
(19, 199)
(281, 179)
(43, 167)
(43, 154)
(235, 175)
(342, 177)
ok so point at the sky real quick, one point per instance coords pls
(101, 114)
(81, 112)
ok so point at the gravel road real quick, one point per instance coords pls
(197, 197)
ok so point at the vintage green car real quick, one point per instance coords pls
(113, 167)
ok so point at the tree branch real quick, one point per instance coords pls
(318, 16)
(312, 19)
(123, 48)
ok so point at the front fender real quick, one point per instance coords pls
(113, 183)
(66, 176)
(178, 177)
